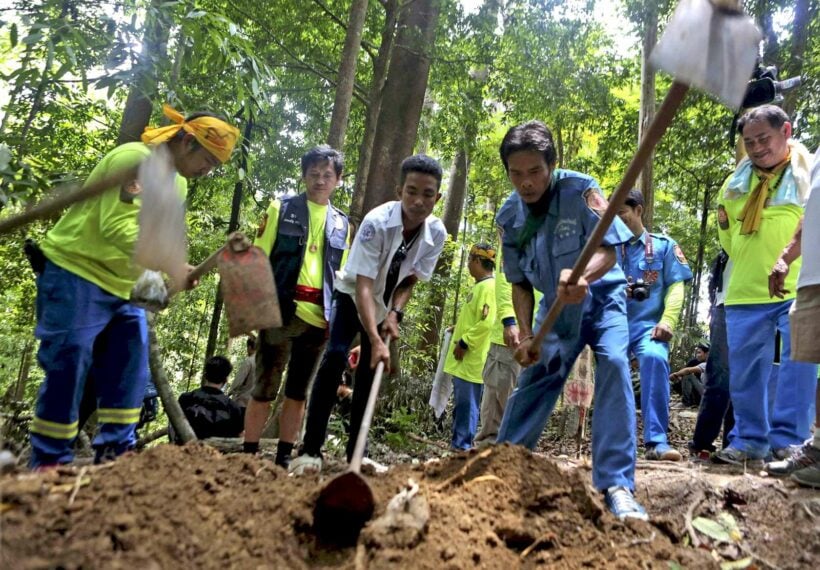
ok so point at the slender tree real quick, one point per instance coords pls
(402, 101)
(143, 90)
(347, 74)
(647, 112)
(233, 225)
(388, 35)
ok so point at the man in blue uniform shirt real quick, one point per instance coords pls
(656, 270)
(545, 224)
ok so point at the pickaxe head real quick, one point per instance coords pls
(711, 45)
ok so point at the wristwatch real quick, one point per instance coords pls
(399, 314)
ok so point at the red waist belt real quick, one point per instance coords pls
(308, 295)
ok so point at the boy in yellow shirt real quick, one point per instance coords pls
(471, 343)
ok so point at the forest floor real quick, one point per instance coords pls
(498, 507)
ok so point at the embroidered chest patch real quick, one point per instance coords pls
(566, 227)
(650, 276)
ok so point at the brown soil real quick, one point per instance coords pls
(192, 507)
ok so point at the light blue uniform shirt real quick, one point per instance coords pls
(666, 267)
(557, 244)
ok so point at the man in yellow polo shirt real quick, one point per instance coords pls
(85, 322)
(500, 370)
(759, 208)
(471, 343)
(306, 238)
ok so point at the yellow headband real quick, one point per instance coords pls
(488, 253)
(215, 135)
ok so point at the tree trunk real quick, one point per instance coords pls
(176, 417)
(233, 225)
(402, 100)
(559, 139)
(138, 105)
(191, 367)
(18, 88)
(453, 208)
(803, 14)
(374, 107)
(347, 74)
(25, 368)
(152, 437)
(647, 112)
(213, 329)
(694, 297)
(37, 99)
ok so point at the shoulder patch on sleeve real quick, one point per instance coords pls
(129, 191)
(367, 231)
(679, 255)
(595, 200)
(485, 311)
(723, 218)
(263, 223)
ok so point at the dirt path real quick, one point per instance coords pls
(193, 507)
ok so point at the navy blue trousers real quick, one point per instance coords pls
(85, 332)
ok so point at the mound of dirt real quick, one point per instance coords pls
(193, 507)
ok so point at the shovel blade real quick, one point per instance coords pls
(344, 506)
(249, 291)
(709, 48)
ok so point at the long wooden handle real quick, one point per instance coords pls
(237, 241)
(205, 266)
(367, 418)
(650, 140)
(61, 201)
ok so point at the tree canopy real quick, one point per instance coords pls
(73, 71)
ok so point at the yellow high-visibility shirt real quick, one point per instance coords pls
(474, 324)
(311, 272)
(754, 255)
(95, 239)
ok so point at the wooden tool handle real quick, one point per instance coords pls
(205, 266)
(62, 200)
(648, 143)
(367, 418)
(236, 242)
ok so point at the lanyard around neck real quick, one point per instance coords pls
(648, 249)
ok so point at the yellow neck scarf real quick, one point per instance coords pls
(215, 135)
(753, 209)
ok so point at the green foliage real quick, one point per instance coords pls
(66, 68)
(397, 426)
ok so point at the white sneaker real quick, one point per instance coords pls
(304, 464)
(378, 468)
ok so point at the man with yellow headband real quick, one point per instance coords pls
(760, 206)
(306, 238)
(470, 345)
(85, 322)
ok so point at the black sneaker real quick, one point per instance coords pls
(733, 456)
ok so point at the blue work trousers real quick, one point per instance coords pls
(653, 362)
(85, 331)
(613, 421)
(751, 329)
(715, 405)
(467, 396)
